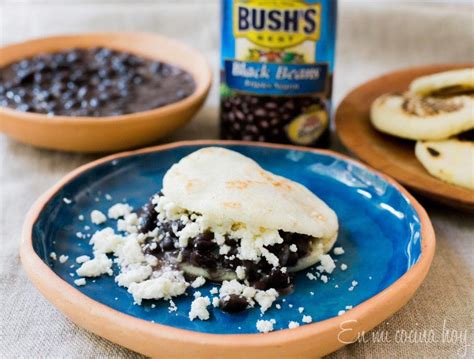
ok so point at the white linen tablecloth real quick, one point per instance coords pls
(373, 37)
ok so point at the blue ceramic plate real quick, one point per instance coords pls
(380, 232)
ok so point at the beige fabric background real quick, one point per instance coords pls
(374, 37)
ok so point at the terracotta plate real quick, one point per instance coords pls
(387, 236)
(392, 155)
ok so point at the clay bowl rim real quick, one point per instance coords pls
(202, 86)
(50, 284)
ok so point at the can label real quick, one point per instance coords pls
(276, 69)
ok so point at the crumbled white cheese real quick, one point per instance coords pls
(79, 235)
(341, 312)
(130, 252)
(198, 282)
(270, 257)
(215, 302)
(119, 210)
(190, 230)
(67, 200)
(327, 263)
(53, 256)
(249, 293)
(338, 251)
(343, 266)
(265, 326)
(240, 272)
(80, 281)
(293, 248)
(108, 197)
(266, 298)
(167, 284)
(278, 306)
(166, 209)
(134, 273)
(81, 217)
(106, 241)
(292, 325)
(263, 298)
(224, 249)
(311, 276)
(197, 294)
(230, 287)
(214, 290)
(324, 278)
(199, 308)
(151, 260)
(97, 217)
(63, 258)
(301, 309)
(348, 307)
(307, 319)
(253, 243)
(95, 267)
(82, 259)
(128, 224)
(354, 284)
(283, 269)
(172, 306)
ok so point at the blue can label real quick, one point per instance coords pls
(280, 52)
(275, 79)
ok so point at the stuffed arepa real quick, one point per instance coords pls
(231, 219)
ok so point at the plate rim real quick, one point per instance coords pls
(116, 326)
(441, 196)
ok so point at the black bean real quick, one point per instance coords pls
(70, 104)
(203, 243)
(276, 279)
(233, 303)
(73, 56)
(201, 260)
(168, 243)
(155, 67)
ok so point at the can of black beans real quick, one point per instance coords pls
(277, 59)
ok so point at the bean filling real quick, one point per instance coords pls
(202, 251)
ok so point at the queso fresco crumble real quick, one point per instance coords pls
(145, 279)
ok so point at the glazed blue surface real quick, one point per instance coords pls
(379, 231)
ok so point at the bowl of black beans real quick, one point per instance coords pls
(100, 92)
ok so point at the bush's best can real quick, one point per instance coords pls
(277, 59)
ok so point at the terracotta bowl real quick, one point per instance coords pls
(112, 133)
